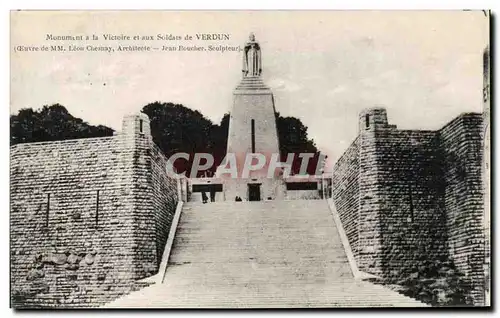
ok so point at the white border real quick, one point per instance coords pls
(7, 5)
(252, 5)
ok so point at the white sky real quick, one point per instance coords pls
(324, 67)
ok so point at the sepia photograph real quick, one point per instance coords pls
(249, 159)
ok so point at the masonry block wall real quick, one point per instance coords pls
(345, 193)
(411, 212)
(165, 198)
(487, 166)
(369, 245)
(464, 201)
(84, 218)
(407, 196)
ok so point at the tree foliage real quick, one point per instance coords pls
(218, 141)
(293, 138)
(51, 123)
(176, 128)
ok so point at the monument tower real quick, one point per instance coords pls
(252, 129)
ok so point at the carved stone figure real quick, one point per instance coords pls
(252, 58)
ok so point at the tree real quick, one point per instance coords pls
(176, 128)
(218, 141)
(293, 138)
(51, 123)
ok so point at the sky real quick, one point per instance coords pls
(324, 67)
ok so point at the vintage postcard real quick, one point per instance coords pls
(249, 159)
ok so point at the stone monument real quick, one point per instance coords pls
(252, 130)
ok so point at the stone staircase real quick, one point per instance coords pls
(260, 255)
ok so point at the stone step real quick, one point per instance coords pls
(267, 254)
(256, 216)
(245, 244)
(346, 293)
(204, 228)
(254, 204)
(259, 259)
(263, 254)
(242, 273)
(250, 204)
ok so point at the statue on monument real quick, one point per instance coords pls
(252, 62)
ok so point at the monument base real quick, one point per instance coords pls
(255, 189)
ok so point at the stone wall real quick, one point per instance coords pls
(407, 196)
(345, 193)
(487, 167)
(371, 121)
(85, 218)
(411, 211)
(464, 202)
(165, 198)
